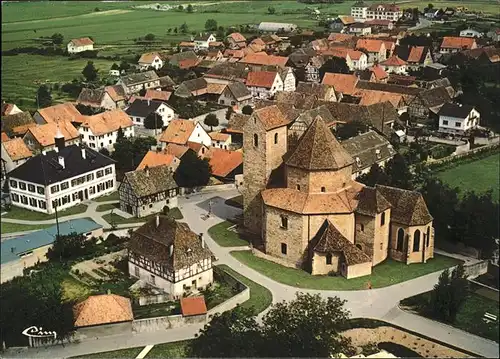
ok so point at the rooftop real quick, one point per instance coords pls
(151, 180)
(102, 309)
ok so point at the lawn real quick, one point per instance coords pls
(224, 237)
(387, 273)
(469, 317)
(486, 6)
(174, 213)
(130, 353)
(260, 297)
(479, 176)
(115, 196)
(74, 290)
(14, 227)
(169, 350)
(24, 214)
(107, 207)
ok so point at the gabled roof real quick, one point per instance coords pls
(370, 45)
(158, 95)
(7, 108)
(90, 97)
(271, 117)
(202, 36)
(434, 97)
(412, 54)
(236, 122)
(455, 110)
(332, 241)
(343, 83)
(82, 41)
(61, 112)
(377, 86)
(239, 91)
(371, 202)
(461, 43)
(167, 82)
(102, 309)
(338, 37)
(229, 71)
(116, 92)
(142, 107)
(151, 180)
(223, 162)
(178, 131)
(16, 148)
(149, 57)
(138, 78)
(176, 150)
(379, 72)
(408, 207)
(237, 37)
(9, 122)
(394, 60)
(261, 58)
(321, 91)
(156, 158)
(193, 306)
(153, 242)
(261, 79)
(5, 137)
(107, 122)
(318, 149)
(44, 134)
(370, 97)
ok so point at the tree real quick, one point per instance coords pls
(129, 152)
(376, 175)
(211, 120)
(449, 294)
(399, 173)
(271, 10)
(175, 30)
(120, 135)
(104, 151)
(153, 121)
(124, 66)
(57, 38)
(229, 113)
(211, 25)
(149, 37)
(184, 28)
(247, 110)
(90, 72)
(430, 6)
(350, 129)
(169, 30)
(192, 171)
(180, 7)
(96, 9)
(43, 97)
(335, 65)
(115, 66)
(66, 247)
(190, 8)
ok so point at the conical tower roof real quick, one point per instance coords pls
(318, 149)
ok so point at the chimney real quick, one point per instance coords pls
(44, 152)
(84, 153)
(60, 159)
(171, 250)
(146, 170)
(149, 102)
(202, 240)
(157, 221)
(56, 149)
(59, 139)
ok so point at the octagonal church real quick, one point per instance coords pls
(311, 214)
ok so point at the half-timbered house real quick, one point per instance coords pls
(149, 190)
(166, 254)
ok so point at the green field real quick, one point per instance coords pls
(14, 227)
(385, 274)
(486, 6)
(478, 176)
(24, 214)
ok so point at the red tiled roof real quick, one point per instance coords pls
(223, 162)
(393, 61)
(234, 53)
(102, 309)
(188, 63)
(452, 42)
(379, 72)
(83, 41)
(5, 137)
(341, 82)
(369, 45)
(62, 112)
(157, 95)
(193, 306)
(261, 58)
(237, 37)
(416, 53)
(186, 44)
(337, 37)
(261, 79)
(154, 158)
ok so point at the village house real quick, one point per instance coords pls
(150, 60)
(225, 165)
(220, 140)
(377, 11)
(341, 23)
(211, 56)
(276, 27)
(147, 191)
(236, 41)
(470, 33)
(457, 119)
(317, 217)
(182, 132)
(380, 25)
(201, 89)
(375, 48)
(263, 59)
(16, 125)
(168, 255)
(367, 149)
(166, 83)
(175, 59)
(14, 153)
(134, 83)
(10, 109)
(426, 104)
(202, 41)
(360, 29)
(101, 130)
(311, 67)
(80, 45)
(163, 96)
(321, 91)
(264, 84)
(61, 112)
(395, 65)
(415, 56)
(342, 83)
(452, 44)
(108, 98)
(157, 157)
(42, 137)
(235, 127)
(359, 10)
(355, 60)
(62, 178)
(226, 73)
(142, 108)
(236, 95)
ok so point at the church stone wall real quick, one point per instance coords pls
(365, 233)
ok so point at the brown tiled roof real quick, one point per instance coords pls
(9, 122)
(343, 83)
(62, 112)
(318, 149)
(319, 90)
(365, 146)
(213, 88)
(219, 136)
(291, 200)
(408, 207)
(332, 241)
(107, 122)
(156, 158)
(262, 58)
(379, 72)
(393, 61)
(193, 306)
(236, 122)
(83, 41)
(102, 309)
(271, 117)
(416, 54)
(6, 108)
(16, 148)
(234, 53)
(370, 97)
(187, 44)
(44, 134)
(261, 79)
(148, 58)
(90, 97)
(239, 91)
(178, 131)
(5, 137)
(371, 202)
(176, 150)
(167, 82)
(376, 86)
(223, 162)
(153, 242)
(21, 130)
(116, 92)
(158, 95)
(369, 45)
(145, 182)
(229, 71)
(337, 37)
(298, 100)
(461, 43)
(237, 37)
(188, 63)
(195, 146)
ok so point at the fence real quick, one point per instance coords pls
(153, 299)
(476, 269)
(474, 154)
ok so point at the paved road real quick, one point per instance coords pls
(379, 303)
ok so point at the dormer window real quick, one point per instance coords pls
(377, 152)
(358, 162)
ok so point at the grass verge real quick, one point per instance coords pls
(174, 213)
(15, 227)
(27, 215)
(131, 353)
(260, 297)
(169, 350)
(387, 273)
(107, 207)
(115, 196)
(224, 237)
